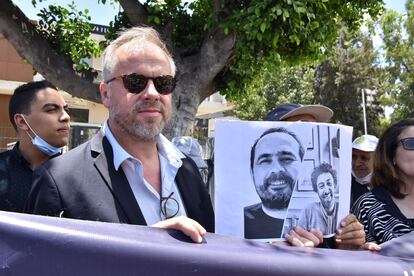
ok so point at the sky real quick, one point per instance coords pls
(397, 5)
(103, 14)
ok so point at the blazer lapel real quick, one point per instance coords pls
(195, 198)
(189, 196)
(115, 180)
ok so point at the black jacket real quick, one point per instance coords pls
(83, 184)
(15, 180)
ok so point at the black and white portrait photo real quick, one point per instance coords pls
(322, 215)
(272, 176)
(274, 172)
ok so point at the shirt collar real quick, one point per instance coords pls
(164, 146)
(275, 213)
(120, 155)
(169, 151)
(18, 155)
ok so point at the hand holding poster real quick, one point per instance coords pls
(272, 176)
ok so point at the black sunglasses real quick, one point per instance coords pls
(135, 83)
(408, 143)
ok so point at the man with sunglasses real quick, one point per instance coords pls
(129, 172)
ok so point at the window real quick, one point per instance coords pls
(79, 115)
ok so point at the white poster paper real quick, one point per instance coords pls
(271, 176)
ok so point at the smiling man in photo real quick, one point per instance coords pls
(322, 215)
(275, 162)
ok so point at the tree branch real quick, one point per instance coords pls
(137, 15)
(406, 67)
(215, 53)
(56, 68)
(135, 11)
(216, 10)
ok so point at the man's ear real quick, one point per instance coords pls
(103, 90)
(20, 122)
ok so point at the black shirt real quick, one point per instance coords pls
(357, 190)
(259, 225)
(381, 217)
(15, 180)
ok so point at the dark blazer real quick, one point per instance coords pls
(83, 184)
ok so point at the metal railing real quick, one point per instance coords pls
(7, 135)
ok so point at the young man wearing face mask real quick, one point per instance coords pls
(38, 113)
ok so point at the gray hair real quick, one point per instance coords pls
(136, 38)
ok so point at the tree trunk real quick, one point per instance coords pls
(56, 68)
(197, 79)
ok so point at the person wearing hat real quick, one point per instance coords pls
(297, 112)
(363, 149)
(350, 234)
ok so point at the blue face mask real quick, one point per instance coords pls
(41, 144)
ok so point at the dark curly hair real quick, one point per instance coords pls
(322, 168)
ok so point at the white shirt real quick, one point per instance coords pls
(146, 196)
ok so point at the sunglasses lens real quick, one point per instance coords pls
(408, 143)
(164, 84)
(135, 83)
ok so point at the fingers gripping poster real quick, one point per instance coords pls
(272, 176)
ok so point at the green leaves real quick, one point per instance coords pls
(339, 82)
(68, 31)
(263, 27)
(275, 40)
(226, 30)
(274, 85)
(300, 10)
(267, 32)
(154, 19)
(398, 37)
(294, 31)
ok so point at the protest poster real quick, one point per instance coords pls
(263, 177)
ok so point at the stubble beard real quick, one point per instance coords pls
(362, 171)
(328, 205)
(147, 130)
(279, 199)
